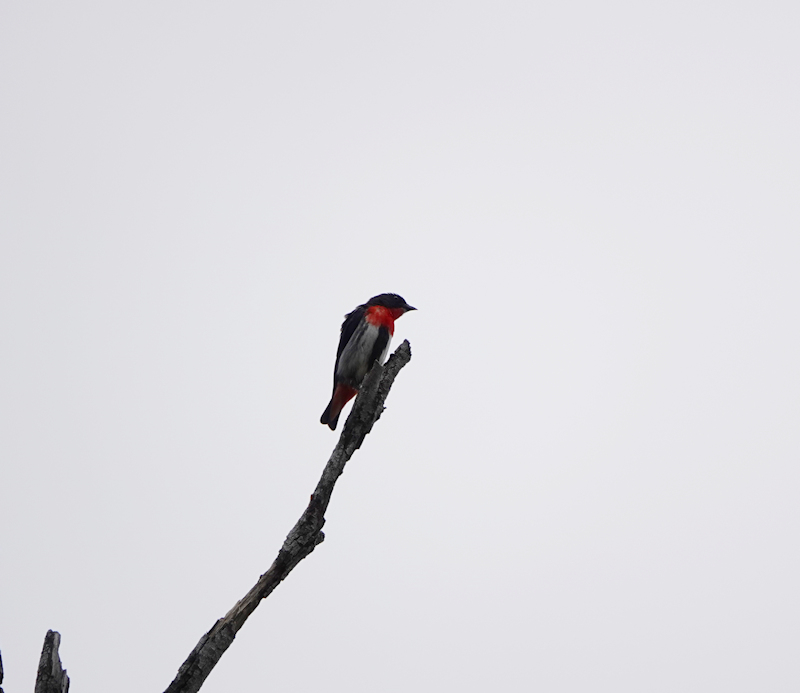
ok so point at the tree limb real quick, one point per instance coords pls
(51, 677)
(305, 535)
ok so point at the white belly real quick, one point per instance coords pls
(354, 361)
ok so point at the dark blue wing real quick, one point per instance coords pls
(351, 321)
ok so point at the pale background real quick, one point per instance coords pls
(586, 479)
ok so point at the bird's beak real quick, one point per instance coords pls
(408, 308)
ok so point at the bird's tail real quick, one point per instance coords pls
(342, 394)
(328, 416)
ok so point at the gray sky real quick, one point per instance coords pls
(586, 479)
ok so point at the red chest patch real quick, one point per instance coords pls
(383, 317)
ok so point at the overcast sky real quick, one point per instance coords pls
(587, 477)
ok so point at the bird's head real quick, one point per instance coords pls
(395, 303)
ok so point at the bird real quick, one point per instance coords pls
(366, 333)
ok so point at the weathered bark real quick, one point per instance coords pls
(305, 535)
(51, 678)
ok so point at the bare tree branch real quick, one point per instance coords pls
(51, 677)
(305, 535)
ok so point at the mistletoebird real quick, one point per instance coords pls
(366, 333)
